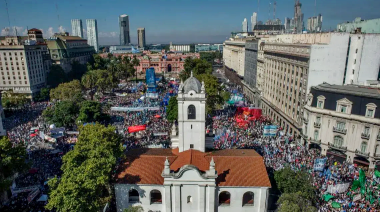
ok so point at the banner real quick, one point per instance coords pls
(152, 95)
(357, 197)
(338, 188)
(33, 195)
(266, 130)
(270, 130)
(51, 139)
(125, 109)
(160, 133)
(136, 128)
(319, 164)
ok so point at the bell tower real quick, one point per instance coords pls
(191, 115)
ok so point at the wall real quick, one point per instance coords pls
(236, 199)
(370, 58)
(327, 62)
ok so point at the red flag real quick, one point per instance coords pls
(136, 128)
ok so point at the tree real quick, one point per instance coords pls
(43, 95)
(105, 80)
(172, 109)
(14, 100)
(56, 76)
(135, 62)
(99, 62)
(198, 67)
(12, 160)
(77, 71)
(91, 111)
(71, 91)
(134, 209)
(295, 202)
(85, 182)
(213, 90)
(289, 181)
(89, 82)
(61, 114)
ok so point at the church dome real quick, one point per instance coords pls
(192, 84)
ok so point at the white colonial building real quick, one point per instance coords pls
(344, 122)
(234, 55)
(186, 177)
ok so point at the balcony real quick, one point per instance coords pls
(376, 156)
(313, 141)
(334, 146)
(365, 135)
(360, 153)
(378, 137)
(339, 130)
(317, 125)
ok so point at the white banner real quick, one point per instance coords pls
(152, 95)
(357, 197)
(125, 109)
(339, 188)
(160, 133)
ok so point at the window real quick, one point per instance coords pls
(363, 147)
(248, 199)
(353, 71)
(316, 135)
(318, 120)
(191, 146)
(338, 141)
(224, 198)
(370, 111)
(189, 199)
(366, 131)
(191, 112)
(356, 51)
(343, 109)
(155, 197)
(340, 125)
(321, 102)
(133, 196)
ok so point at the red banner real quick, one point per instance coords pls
(136, 128)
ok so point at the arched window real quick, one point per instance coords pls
(133, 196)
(224, 198)
(191, 112)
(363, 147)
(316, 135)
(338, 141)
(155, 197)
(248, 199)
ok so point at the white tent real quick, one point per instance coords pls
(43, 198)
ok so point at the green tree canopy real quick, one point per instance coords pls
(71, 91)
(14, 100)
(43, 95)
(56, 76)
(172, 109)
(85, 182)
(12, 160)
(91, 111)
(61, 114)
(198, 66)
(77, 71)
(295, 202)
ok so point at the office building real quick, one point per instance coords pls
(208, 47)
(250, 72)
(298, 18)
(179, 48)
(123, 49)
(287, 24)
(253, 21)
(234, 55)
(314, 24)
(185, 178)
(65, 49)
(76, 27)
(360, 25)
(92, 33)
(269, 29)
(245, 25)
(141, 37)
(125, 38)
(343, 121)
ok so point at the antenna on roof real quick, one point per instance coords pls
(9, 20)
(56, 8)
(15, 31)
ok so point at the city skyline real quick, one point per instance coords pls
(185, 28)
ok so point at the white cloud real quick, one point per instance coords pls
(108, 34)
(12, 31)
(61, 29)
(49, 32)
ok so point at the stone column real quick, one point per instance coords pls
(177, 198)
(210, 198)
(167, 198)
(201, 198)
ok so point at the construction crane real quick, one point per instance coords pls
(274, 10)
(9, 20)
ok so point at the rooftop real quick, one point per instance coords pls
(350, 89)
(235, 167)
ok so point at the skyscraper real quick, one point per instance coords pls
(245, 25)
(314, 24)
(92, 33)
(125, 39)
(141, 37)
(298, 17)
(253, 21)
(76, 27)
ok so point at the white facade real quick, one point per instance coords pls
(180, 48)
(245, 25)
(314, 24)
(92, 33)
(76, 28)
(253, 21)
(22, 68)
(234, 56)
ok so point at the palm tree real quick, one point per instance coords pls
(89, 82)
(135, 62)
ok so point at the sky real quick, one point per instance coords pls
(177, 21)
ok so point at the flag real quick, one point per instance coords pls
(355, 185)
(335, 205)
(327, 197)
(377, 173)
(362, 181)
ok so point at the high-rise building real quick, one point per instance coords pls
(125, 38)
(92, 33)
(298, 17)
(141, 37)
(314, 24)
(253, 21)
(245, 25)
(360, 25)
(76, 27)
(287, 24)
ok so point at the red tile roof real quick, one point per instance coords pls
(235, 167)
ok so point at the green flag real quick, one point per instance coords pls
(355, 185)
(362, 181)
(335, 205)
(327, 197)
(377, 173)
